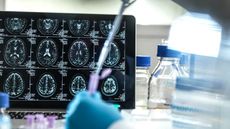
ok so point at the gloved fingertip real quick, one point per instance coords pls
(75, 102)
(96, 95)
(83, 94)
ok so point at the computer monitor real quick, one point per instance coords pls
(46, 58)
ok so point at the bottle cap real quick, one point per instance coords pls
(4, 100)
(39, 118)
(51, 121)
(30, 119)
(164, 51)
(143, 61)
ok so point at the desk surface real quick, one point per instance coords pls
(149, 119)
(141, 119)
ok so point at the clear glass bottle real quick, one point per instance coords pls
(5, 122)
(162, 81)
(142, 77)
(184, 66)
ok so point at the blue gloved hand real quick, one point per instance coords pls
(90, 112)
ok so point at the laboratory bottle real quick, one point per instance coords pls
(184, 65)
(161, 83)
(5, 122)
(142, 77)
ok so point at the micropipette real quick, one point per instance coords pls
(95, 76)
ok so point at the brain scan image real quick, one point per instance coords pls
(47, 26)
(113, 56)
(77, 85)
(79, 27)
(15, 52)
(15, 25)
(46, 86)
(106, 26)
(47, 52)
(14, 85)
(110, 86)
(78, 53)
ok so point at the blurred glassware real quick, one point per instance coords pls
(162, 81)
(142, 77)
(184, 65)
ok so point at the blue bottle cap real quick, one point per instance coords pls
(143, 61)
(164, 51)
(4, 100)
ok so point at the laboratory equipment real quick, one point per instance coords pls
(5, 122)
(162, 81)
(142, 77)
(184, 65)
(108, 47)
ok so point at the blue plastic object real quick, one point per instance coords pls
(90, 112)
(4, 100)
(143, 61)
(164, 51)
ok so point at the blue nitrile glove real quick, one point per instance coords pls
(90, 112)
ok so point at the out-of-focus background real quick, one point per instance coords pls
(153, 17)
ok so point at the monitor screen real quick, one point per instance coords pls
(46, 58)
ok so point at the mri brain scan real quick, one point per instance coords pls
(49, 57)
(47, 26)
(15, 25)
(110, 86)
(79, 27)
(14, 85)
(78, 53)
(47, 52)
(113, 56)
(106, 26)
(78, 84)
(15, 52)
(46, 86)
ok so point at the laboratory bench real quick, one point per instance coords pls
(139, 118)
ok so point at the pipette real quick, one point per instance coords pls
(95, 76)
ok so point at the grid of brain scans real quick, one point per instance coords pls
(50, 57)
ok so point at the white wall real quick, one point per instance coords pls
(147, 12)
(147, 39)
(2, 5)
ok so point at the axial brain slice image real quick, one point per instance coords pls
(14, 54)
(110, 86)
(15, 25)
(47, 53)
(78, 84)
(46, 86)
(14, 85)
(47, 26)
(78, 53)
(79, 27)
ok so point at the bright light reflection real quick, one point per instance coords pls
(196, 34)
